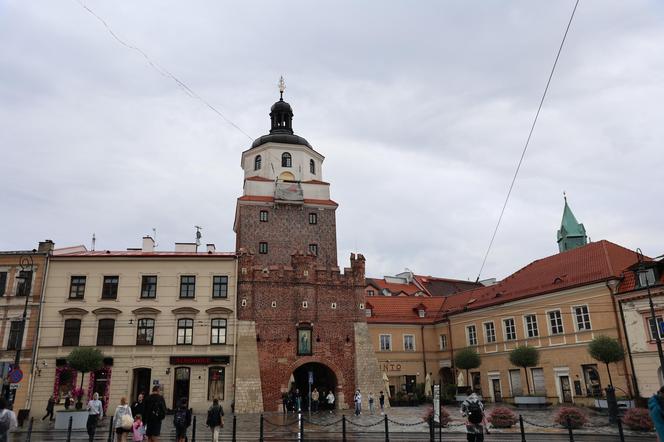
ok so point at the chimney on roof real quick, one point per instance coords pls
(188, 247)
(211, 248)
(46, 246)
(148, 244)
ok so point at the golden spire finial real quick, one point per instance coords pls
(282, 87)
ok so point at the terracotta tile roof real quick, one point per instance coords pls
(595, 262)
(141, 254)
(628, 284)
(444, 286)
(403, 310)
(393, 287)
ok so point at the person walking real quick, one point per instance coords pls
(656, 408)
(330, 401)
(215, 419)
(138, 429)
(94, 412)
(7, 421)
(473, 410)
(371, 402)
(181, 421)
(298, 400)
(138, 407)
(123, 421)
(284, 402)
(49, 408)
(314, 399)
(381, 402)
(358, 402)
(155, 412)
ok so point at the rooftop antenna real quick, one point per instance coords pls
(198, 236)
(94, 241)
(154, 236)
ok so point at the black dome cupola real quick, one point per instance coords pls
(281, 123)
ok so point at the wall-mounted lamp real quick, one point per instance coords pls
(131, 322)
(168, 370)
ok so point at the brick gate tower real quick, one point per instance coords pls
(299, 316)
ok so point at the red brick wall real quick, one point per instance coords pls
(289, 287)
(287, 231)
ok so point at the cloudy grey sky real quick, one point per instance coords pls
(421, 109)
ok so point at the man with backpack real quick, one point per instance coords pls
(155, 412)
(7, 420)
(215, 419)
(181, 421)
(473, 410)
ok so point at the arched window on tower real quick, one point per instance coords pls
(286, 160)
(257, 162)
(312, 166)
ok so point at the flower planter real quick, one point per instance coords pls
(80, 418)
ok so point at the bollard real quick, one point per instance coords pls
(431, 429)
(260, 429)
(301, 427)
(343, 427)
(110, 431)
(193, 430)
(71, 422)
(569, 428)
(523, 433)
(387, 430)
(620, 430)
(29, 436)
(234, 429)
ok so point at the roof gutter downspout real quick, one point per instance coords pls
(612, 285)
(235, 332)
(35, 344)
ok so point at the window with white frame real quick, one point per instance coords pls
(556, 322)
(472, 335)
(582, 316)
(443, 342)
(510, 329)
(489, 332)
(385, 342)
(409, 343)
(655, 328)
(532, 331)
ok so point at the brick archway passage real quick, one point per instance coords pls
(324, 379)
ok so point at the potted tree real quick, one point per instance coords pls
(466, 359)
(526, 356)
(83, 360)
(607, 350)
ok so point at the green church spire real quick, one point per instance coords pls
(572, 234)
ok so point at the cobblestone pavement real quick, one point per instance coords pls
(404, 423)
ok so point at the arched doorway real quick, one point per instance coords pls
(324, 380)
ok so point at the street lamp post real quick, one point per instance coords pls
(645, 270)
(27, 265)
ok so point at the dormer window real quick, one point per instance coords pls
(646, 277)
(421, 313)
(312, 166)
(286, 160)
(367, 311)
(257, 162)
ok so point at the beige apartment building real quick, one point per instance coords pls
(160, 318)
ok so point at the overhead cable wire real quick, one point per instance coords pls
(530, 134)
(163, 71)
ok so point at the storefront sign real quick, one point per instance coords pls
(390, 366)
(199, 360)
(155, 381)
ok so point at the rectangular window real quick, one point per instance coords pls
(220, 286)
(510, 329)
(556, 322)
(72, 333)
(472, 335)
(14, 332)
(313, 218)
(262, 248)
(110, 288)
(77, 287)
(409, 343)
(313, 249)
(371, 293)
(385, 343)
(3, 283)
(149, 286)
(218, 328)
(443, 342)
(489, 332)
(185, 332)
(216, 383)
(263, 216)
(105, 332)
(531, 326)
(654, 329)
(582, 316)
(25, 284)
(647, 278)
(145, 332)
(187, 286)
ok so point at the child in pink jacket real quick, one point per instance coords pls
(138, 429)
